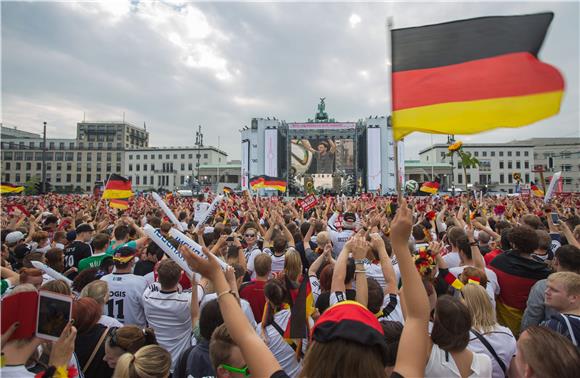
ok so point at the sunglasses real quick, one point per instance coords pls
(244, 370)
(249, 235)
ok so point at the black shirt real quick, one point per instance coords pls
(75, 252)
(143, 267)
(85, 344)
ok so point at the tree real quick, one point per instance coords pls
(467, 160)
(32, 186)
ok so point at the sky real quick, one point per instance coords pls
(175, 64)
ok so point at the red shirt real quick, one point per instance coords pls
(490, 256)
(253, 292)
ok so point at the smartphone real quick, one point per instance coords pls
(555, 218)
(54, 312)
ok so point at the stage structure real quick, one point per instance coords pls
(322, 155)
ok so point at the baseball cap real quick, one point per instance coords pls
(84, 227)
(21, 251)
(350, 217)
(124, 254)
(14, 237)
(351, 321)
(71, 235)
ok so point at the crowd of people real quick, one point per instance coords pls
(368, 286)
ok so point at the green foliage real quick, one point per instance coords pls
(31, 186)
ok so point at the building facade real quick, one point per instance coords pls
(500, 161)
(169, 168)
(102, 148)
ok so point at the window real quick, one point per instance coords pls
(566, 167)
(58, 177)
(527, 177)
(510, 165)
(118, 168)
(118, 156)
(145, 158)
(568, 180)
(501, 153)
(89, 177)
(59, 166)
(69, 156)
(89, 156)
(174, 156)
(501, 178)
(476, 153)
(183, 167)
(459, 178)
(190, 166)
(7, 177)
(18, 155)
(167, 157)
(18, 166)
(38, 166)
(137, 157)
(29, 156)
(161, 156)
(8, 155)
(518, 165)
(138, 168)
(484, 165)
(205, 156)
(99, 156)
(191, 156)
(109, 156)
(509, 153)
(484, 153)
(517, 153)
(68, 177)
(78, 178)
(492, 153)
(468, 178)
(526, 165)
(79, 156)
(145, 167)
(526, 153)
(183, 156)
(130, 157)
(28, 166)
(144, 180)
(501, 165)
(130, 167)
(510, 179)
(17, 177)
(137, 180)
(7, 166)
(152, 169)
(38, 156)
(58, 156)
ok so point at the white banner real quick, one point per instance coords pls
(552, 186)
(245, 163)
(167, 211)
(196, 248)
(271, 152)
(373, 158)
(168, 248)
(209, 212)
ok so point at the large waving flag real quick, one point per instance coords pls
(122, 204)
(10, 188)
(469, 76)
(268, 182)
(118, 187)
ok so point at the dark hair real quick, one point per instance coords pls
(350, 268)
(454, 234)
(210, 319)
(326, 277)
(279, 244)
(121, 232)
(569, 258)
(376, 295)
(418, 232)
(393, 331)
(451, 325)
(100, 241)
(505, 239)
(154, 250)
(131, 338)
(168, 273)
(463, 245)
(524, 239)
(106, 264)
(154, 222)
(84, 278)
(533, 221)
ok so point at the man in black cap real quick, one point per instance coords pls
(79, 248)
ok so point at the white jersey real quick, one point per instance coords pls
(126, 298)
(250, 261)
(169, 314)
(277, 261)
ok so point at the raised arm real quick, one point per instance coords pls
(414, 343)
(339, 273)
(386, 265)
(257, 355)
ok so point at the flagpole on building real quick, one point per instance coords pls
(389, 27)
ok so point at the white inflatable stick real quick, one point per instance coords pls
(209, 212)
(196, 248)
(167, 211)
(168, 248)
(51, 272)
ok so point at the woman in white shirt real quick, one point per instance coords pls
(449, 355)
(487, 336)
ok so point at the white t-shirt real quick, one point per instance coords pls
(246, 308)
(277, 261)
(452, 259)
(107, 321)
(250, 261)
(492, 287)
(339, 239)
(169, 314)
(502, 341)
(442, 365)
(126, 298)
(279, 347)
(314, 287)
(374, 271)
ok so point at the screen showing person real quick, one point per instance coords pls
(321, 155)
(54, 312)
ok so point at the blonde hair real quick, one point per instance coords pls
(292, 264)
(570, 280)
(98, 290)
(480, 307)
(151, 361)
(322, 238)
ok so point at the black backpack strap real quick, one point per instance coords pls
(490, 349)
(281, 332)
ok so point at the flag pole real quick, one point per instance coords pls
(389, 27)
(101, 199)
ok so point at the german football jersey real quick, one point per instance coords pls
(126, 298)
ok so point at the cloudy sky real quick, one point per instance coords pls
(177, 64)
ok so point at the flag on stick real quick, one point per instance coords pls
(118, 187)
(537, 191)
(430, 187)
(122, 204)
(469, 76)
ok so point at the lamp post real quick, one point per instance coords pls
(199, 145)
(450, 141)
(44, 158)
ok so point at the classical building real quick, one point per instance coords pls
(499, 162)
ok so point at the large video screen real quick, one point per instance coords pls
(321, 155)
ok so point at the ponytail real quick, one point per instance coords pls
(151, 361)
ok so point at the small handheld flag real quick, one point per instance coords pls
(10, 188)
(118, 187)
(537, 191)
(430, 187)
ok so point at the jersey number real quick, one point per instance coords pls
(111, 308)
(69, 261)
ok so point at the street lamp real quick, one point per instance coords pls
(450, 141)
(199, 145)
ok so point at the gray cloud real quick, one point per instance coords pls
(177, 64)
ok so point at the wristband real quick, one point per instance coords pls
(224, 293)
(360, 271)
(359, 261)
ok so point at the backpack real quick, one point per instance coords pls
(572, 324)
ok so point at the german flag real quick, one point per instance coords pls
(10, 188)
(430, 187)
(274, 183)
(469, 76)
(227, 190)
(118, 187)
(122, 204)
(537, 191)
(257, 182)
(302, 307)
